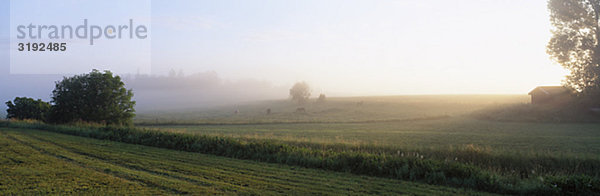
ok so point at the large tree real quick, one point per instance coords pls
(27, 108)
(575, 43)
(94, 97)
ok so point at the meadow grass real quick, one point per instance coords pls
(40, 162)
(432, 139)
(568, 139)
(442, 128)
(508, 148)
(414, 168)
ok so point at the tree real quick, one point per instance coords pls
(94, 97)
(575, 43)
(27, 108)
(300, 92)
(321, 98)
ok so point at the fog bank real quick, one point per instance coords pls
(200, 90)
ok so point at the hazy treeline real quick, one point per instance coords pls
(155, 92)
(197, 91)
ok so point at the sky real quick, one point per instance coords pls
(355, 47)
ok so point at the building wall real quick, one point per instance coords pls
(538, 97)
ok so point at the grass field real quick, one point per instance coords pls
(565, 139)
(432, 139)
(39, 162)
(433, 127)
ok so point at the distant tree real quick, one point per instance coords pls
(27, 108)
(300, 92)
(321, 98)
(94, 97)
(172, 73)
(575, 43)
(180, 74)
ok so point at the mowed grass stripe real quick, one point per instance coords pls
(129, 165)
(261, 177)
(231, 176)
(79, 162)
(48, 172)
(227, 171)
(149, 179)
(238, 175)
(161, 167)
(266, 187)
(166, 169)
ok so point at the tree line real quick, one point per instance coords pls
(97, 97)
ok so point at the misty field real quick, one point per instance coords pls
(333, 110)
(407, 123)
(442, 128)
(358, 145)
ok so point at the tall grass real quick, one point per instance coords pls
(504, 163)
(415, 168)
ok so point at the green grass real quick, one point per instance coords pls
(432, 139)
(506, 148)
(542, 180)
(40, 162)
(565, 139)
(441, 128)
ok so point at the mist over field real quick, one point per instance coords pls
(167, 92)
(201, 90)
(336, 97)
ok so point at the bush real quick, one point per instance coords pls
(27, 108)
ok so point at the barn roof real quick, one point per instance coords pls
(550, 90)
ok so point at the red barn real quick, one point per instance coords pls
(549, 94)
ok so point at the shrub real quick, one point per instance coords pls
(27, 108)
